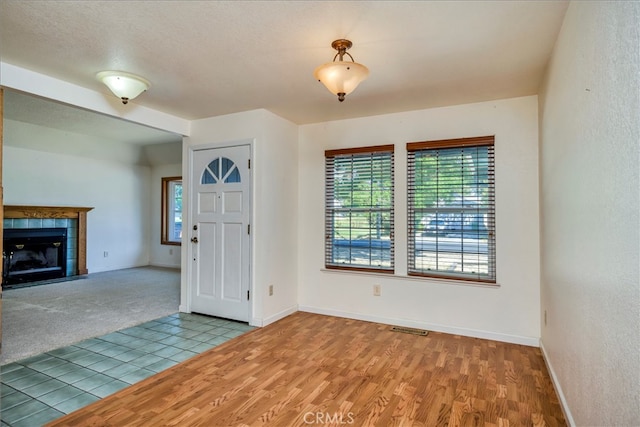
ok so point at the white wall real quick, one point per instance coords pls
(276, 217)
(509, 312)
(44, 166)
(161, 255)
(274, 204)
(590, 121)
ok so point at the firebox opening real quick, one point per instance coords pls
(33, 254)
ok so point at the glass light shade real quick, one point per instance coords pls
(125, 86)
(342, 76)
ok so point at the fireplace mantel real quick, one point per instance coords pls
(14, 211)
(73, 212)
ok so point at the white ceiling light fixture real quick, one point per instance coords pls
(125, 86)
(341, 77)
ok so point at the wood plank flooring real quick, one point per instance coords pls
(310, 369)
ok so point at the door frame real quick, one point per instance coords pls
(186, 285)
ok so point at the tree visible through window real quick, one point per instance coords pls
(359, 208)
(171, 211)
(451, 209)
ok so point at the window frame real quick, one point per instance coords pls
(330, 156)
(168, 210)
(412, 270)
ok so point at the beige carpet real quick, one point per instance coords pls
(41, 318)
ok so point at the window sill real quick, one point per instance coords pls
(405, 277)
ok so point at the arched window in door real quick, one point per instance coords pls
(220, 170)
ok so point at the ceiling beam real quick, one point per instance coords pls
(28, 81)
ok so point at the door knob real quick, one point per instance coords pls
(194, 239)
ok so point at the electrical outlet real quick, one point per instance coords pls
(106, 254)
(545, 318)
(376, 290)
(270, 290)
(170, 251)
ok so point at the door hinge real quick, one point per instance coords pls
(248, 295)
(249, 163)
(248, 228)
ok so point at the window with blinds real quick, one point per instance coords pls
(451, 213)
(359, 209)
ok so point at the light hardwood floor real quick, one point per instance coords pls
(310, 369)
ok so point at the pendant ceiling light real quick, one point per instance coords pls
(125, 86)
(341, 77)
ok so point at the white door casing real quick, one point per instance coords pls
(219, 237)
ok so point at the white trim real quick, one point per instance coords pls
(111, 268)
(556, 385)
(405, 277)
(474, 333)
(185, 250)
(158, 264)
(274, 318)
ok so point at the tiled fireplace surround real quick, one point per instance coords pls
(74, 219)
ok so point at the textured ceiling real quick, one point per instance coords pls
(207, 58)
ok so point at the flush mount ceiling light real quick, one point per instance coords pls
(341, 77)
(125, 86)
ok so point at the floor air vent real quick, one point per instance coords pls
(409, 330)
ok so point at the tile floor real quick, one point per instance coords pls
(42, 388)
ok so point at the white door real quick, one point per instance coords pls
(219, 238)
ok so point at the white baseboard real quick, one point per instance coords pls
(556, 385)
(116, 268)
(274, 318)
(155, 264)
(513, 339)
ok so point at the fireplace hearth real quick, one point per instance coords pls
(33, 255)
